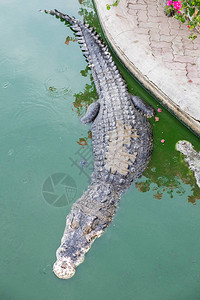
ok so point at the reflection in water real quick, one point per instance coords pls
(33, 104)
(167, 172)
(85, 98)
(70, 39)
(88, 13)
(86, 3)
(83, 141)
(172, 178)
(89, 95)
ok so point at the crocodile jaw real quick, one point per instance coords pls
(64, 269)
(80, 231)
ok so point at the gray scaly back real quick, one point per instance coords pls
(122, 146)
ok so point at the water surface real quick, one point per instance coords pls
(151, 251)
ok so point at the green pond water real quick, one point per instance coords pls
(151, 251)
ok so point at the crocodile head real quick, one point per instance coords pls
(88, 218)
(81, 231)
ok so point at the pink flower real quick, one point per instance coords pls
(156, 119)
(159, 109)
(177, 5)
(169, 2)
(162, 141)
(178, 12)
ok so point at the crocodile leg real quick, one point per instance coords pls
(91, 113)
(142, 106)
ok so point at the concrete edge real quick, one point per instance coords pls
(173, 108)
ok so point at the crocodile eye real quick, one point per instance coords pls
(95, 223)
(87, 229)
(74, 223)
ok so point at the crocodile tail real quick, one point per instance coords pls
(83, 32)
(72, 20)
(87, 220)
(94, 49)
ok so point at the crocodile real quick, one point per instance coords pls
(122, 143)
(192, 157)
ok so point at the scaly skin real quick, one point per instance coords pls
(192, 157)
(122, 146)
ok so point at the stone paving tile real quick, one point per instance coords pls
(156, 49)
(168, 38)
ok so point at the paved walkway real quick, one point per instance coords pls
(156, 49)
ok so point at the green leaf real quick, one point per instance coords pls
(191, 12)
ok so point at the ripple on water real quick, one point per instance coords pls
(8, 72)
(58, 84)
(10, 152)
(34, 106)
(28, 152)
(5, 84)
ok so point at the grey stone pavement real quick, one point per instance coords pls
(156, 50)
